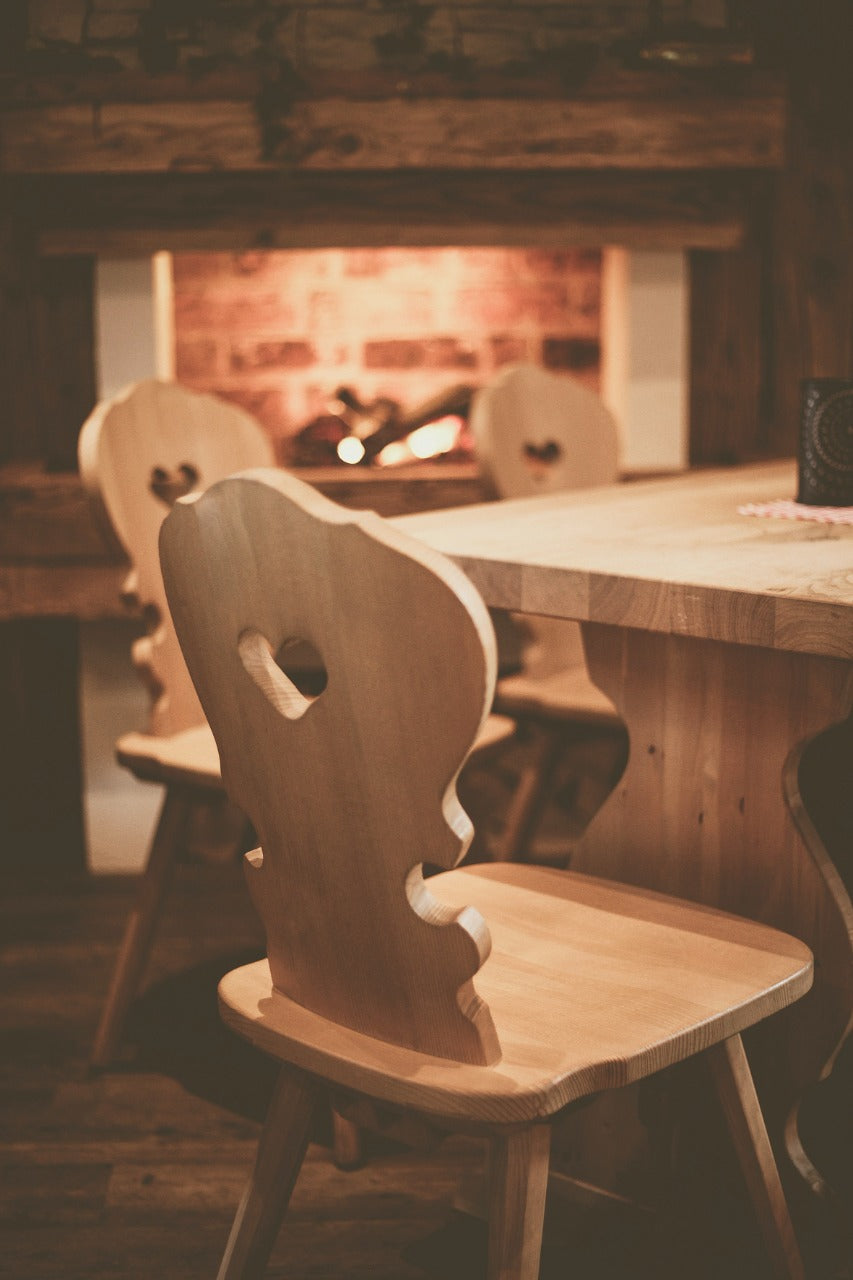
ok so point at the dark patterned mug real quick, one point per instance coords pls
(826, 443)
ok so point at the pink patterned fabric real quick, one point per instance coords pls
(787, 509)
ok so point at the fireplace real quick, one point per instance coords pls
(328, 348)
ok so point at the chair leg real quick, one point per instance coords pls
(139, 930)
(518, 1181)
(736, 1091)
(282, 1147)
(528, 799)
(347, 1143)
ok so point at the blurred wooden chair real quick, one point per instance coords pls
(538, 432)
(369, 989)
(138, 453)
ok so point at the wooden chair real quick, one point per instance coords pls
(538, 432)
(138, 452)
(486, 998)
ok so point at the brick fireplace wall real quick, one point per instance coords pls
(277, 332)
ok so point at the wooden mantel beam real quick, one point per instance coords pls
(144, 213)
(641, 120)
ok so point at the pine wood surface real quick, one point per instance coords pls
(714, 654)
(590, 986)
(669, 555)
(264, 559)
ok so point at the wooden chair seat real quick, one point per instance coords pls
(189, 758)
(574, 1008)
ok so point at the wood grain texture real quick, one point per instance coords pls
(670, 555)
(132, 213)
(281, 1151)
(726, 648)
(700, 809)
(576, 1009)
(153, 426)
(637, 123)
(352, 792)
(736, 1091)
(518, 1181)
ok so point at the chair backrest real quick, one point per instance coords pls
(138, 452)
(540, 432)
(350, 792)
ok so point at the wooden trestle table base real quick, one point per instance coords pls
(725, 642)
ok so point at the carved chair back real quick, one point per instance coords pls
(539, 432)
(351, 792)
(138, 453)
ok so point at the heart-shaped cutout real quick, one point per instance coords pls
(168, 486)
(542, 454)
(292, 678)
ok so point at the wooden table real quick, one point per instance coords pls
(725, 641)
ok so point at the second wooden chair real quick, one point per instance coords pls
(538, 432)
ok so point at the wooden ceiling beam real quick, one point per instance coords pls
(180, 212)
(640, 120)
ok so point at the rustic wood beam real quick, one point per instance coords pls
(46, 388)
(57, 562)
(633, 120)
(192, 212)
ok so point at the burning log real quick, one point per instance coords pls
(356, 433)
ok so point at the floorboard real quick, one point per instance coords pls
(135, 1173)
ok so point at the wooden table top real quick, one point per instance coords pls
(667, 555)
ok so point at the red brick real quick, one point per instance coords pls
(395, 353)
(417, 353)
(366, 262)
(196, 358)
(197, 266)
(272, 355)
(571, 353)
(561, 262)
(252, 264)
(546, 304)
(507, 349)
(267, 404)
(234, 312)
(449, 353)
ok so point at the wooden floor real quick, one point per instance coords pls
(136, 1173)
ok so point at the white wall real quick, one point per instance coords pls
(132, 296)
(645, 359)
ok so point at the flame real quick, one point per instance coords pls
(350, 450)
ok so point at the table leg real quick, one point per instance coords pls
(709, 808)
